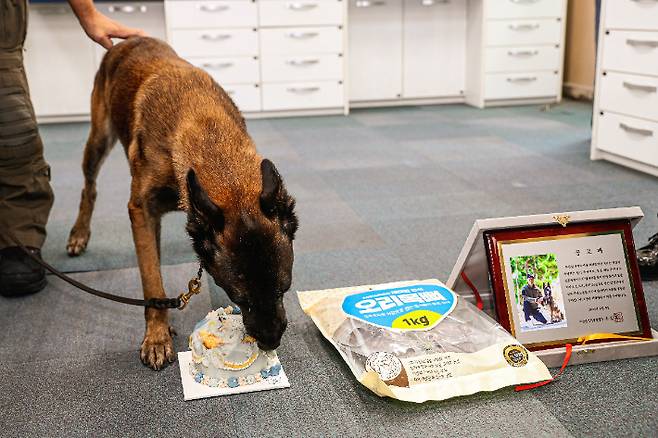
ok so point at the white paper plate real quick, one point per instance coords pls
(193, 390)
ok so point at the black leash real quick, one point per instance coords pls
(193, 287)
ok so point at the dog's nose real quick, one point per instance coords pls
(267, 346)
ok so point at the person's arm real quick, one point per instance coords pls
(99, 27)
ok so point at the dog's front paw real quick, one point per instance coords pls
(78, 240)
(157, 348)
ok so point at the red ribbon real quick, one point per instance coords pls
(567, 356)
(476, 294)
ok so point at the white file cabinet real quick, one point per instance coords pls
(405, 50)
(515, 51)
(625, 125)
(220, 37)
(302, 53)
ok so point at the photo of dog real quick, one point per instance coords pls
(537, 292)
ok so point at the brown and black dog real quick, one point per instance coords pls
(188, 149)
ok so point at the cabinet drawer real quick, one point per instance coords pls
(300, 13)
(629, 94)
(633, 52)
(629, 137)
(521, 85)
(242, 70)
(523, 32)
(148, 16)
(523, 8)
(631, 14)
(211, 14)
(301, 40)
(302, 95)
(245, 97)
(277, 68)
(508, 59)
(225, 42)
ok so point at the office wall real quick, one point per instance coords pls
(580, 50)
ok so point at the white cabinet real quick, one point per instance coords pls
(515, 51)
(302, 47)
(59, 62)
(220, 37)
(314, 56)
(434, 48)
(375, 49)
(625, 122)
(411, 49)
(268, 55)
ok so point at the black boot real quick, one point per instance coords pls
(647, 258)
(19, 274)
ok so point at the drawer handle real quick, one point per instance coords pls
(299, 6)
(302, 35)
(303, 90)
(523, 79)
(647, 43)
(212, 8)
(640, 131)
(368, 3)
(127, 9)
(215, 37)
(647, 88)
(433, 2)
(522, 52)
(216, 65)
(302, 62)
(528, 26)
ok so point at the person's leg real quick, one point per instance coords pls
(526, 310)
(539, 316)
(25, 193)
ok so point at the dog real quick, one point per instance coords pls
(188, 149)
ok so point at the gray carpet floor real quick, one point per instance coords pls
(383, 195)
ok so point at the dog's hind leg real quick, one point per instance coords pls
(100, 142)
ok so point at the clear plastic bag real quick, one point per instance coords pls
(400, 345)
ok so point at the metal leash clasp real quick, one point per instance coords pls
(193, 288)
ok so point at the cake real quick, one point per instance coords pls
(224, 355)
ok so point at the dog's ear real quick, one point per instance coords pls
(275, 200)
(272, 186)
(201, 206)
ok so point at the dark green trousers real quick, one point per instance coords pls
(25, 193)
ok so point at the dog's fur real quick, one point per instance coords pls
(188, 149)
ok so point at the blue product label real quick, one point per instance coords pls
(415, 307)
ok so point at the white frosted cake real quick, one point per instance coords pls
(224, 355)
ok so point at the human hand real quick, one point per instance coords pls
(102, 29)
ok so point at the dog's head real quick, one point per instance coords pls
(250, 256)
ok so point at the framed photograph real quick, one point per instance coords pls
(553, 284)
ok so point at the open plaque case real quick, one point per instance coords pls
(552, 278)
